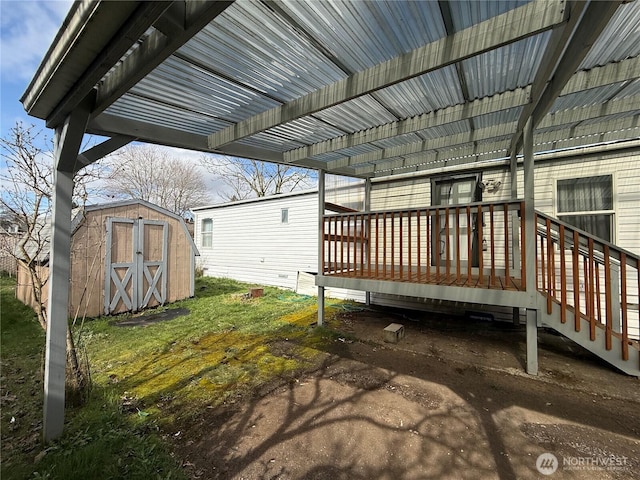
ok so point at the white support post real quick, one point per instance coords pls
(58, 308)
(68, 139)
(530, 251)
(367, 208)
(321, 208)
(529, 212)
(515, 227)
(532, 342)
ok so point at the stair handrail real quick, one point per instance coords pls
(595, 251)
(633, 260)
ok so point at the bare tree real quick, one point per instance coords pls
(149, 173)
(246, 178)
(25, 200)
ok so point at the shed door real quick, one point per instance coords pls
(152, 258)
(136, 264)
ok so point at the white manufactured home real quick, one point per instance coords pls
(273, 240)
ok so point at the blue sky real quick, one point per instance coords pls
(27, 29)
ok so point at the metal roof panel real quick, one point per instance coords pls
(358, 114)
(176, 82)
(505, 68)
(584, 98)
(423, 94)
(365, 33)
(251, 45)
(619, 40)
(150, 111)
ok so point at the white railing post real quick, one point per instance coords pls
(616, 322)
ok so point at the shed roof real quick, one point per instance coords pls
(359, 88)
(39, 248)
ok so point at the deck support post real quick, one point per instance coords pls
(532, 341)
(530, 250)
(321, 208)
(367, 208)
(68, 140)
(529, 213)
(515, 226)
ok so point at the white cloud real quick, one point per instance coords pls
(28, 28)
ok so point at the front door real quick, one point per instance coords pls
(455, 191)
(136, 264)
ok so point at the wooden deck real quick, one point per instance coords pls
(485, 281)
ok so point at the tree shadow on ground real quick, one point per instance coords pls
(411, 432)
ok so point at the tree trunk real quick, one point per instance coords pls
(78, 380)
(36, 288)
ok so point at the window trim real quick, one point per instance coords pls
(614, 201)
(206, 233)
(284, 216)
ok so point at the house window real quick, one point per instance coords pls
(207, 233)
(284, 215)
(587, 203)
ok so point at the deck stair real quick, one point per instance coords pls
(588, 292)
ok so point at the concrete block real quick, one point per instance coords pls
(393, 333)
(256, 292)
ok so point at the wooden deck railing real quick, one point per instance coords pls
(464, 245)
(596, 280)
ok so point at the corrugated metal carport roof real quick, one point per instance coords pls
(362, 88)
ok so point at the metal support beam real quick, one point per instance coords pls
(495, 32)
(532, 341)
(411, 153)
(566, 49)
(132, 29)
(178, 26)
(391, 153)
(101, 150)
(69, 137)
(624, 71)
(58, 307)
(321, 196)
(608, 130)
(456, 113)
(68, 140)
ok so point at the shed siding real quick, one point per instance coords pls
(89, 249)
(88, 259)
(24, 292)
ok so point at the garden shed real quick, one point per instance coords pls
(125, 256)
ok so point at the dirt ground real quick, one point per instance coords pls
(449, 401)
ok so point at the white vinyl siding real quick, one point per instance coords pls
(251, 246)
(626, 201)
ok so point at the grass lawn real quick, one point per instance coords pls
(148, 379)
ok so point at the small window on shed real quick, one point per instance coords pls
(207, 233)
(284, 215)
